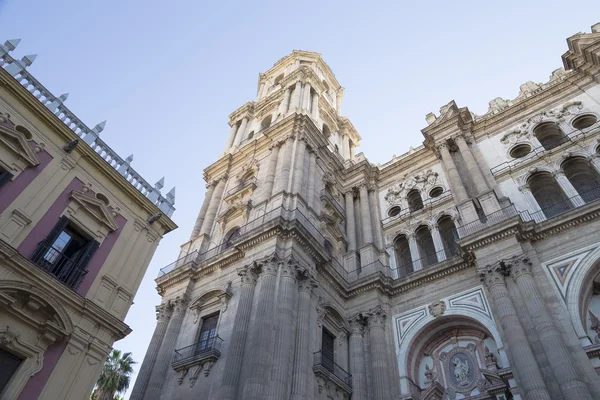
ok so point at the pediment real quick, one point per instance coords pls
(17, 143)
(96, 208)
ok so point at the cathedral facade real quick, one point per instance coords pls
(467, 268)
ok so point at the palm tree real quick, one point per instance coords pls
(115, 376)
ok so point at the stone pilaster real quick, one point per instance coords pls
(414, 252)
(285, 103)
(456, 185)
(167, 347)
(532, 203)
(559, 358)
(306, 97)
(283, 355)
(163, 314)
(302, 358)
(240, 132)
(365, 213)
(438, 243)
(284, 165)
(299, 167)
(231, 137)
(472, 167)
(315, 107)
(525, 367)
(261, 332)
(357, 358)
(237, 343)
(376, 219)
(297, 95)
(350, 222)
(213, 207)
(568, 188)
(271, 170)
(381, 382)
(312, 166)
(207, 197)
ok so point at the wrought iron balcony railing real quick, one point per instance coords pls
(490, 220)
(322, 361)
(198, 351)
(63, 268)
(562, 207)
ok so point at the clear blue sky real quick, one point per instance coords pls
(166, 75)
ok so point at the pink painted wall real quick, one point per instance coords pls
(100, 256)
(36, 383)
(14, 188)
(45, 225)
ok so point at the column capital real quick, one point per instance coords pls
(291, 268)
(276, 144)
(376, 317)
(179, 304)
(349, 192)
(494, 274)
(524, 188)
(306, 283)
(461, 138)
(211, 184)
(163, 312)
(248, 275)
(519, 266)
(357, 325)
(559, 173)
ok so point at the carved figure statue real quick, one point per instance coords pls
(461, 371)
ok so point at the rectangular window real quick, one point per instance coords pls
(5, 177)
(65, 253)
(208, 331)
(327, 349)
(9, 363)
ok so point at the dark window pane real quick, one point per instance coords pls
(9, 364)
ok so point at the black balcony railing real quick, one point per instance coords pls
(208, 347)
(429, 260)
(427, 203)
(490, 220)
(324, 361)
(55, 263)
(563, 206)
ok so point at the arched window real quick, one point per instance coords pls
(266, 122)
(326, 131)
(584, 121)
(548, 194)
(449, 235)
(233, 234)
(278, 79)
(436, 192)
(328, 247)
(24, 131)
(394, 211)
(584, 178)
(403, 258)
(549, 135)
(250, 135)
(414, 200)
(426, 247)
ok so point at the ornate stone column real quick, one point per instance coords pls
(231, 137)
(299, 167)
(284, 344)
(306, 97)
(240, 132)
(237, 343)
(163, 314)
(529, 377)
(568, 188)
(302, 361)
(438, 243)
(284, 165)
(215, 202)
(271, 170)
(381, 382)
(285, 103)
(414, 252)
(558, 357)
(365, 213)
(207, 198)
(458, 189)
(167, 347)
(478, 178)
(312, 165)
(357, 359)
(350, 223)
(297, 95)
(315, 107)
(261, 334)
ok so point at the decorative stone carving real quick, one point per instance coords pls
(4, 117)
(420, 181)
(248, 274)
(494, 274)
(461, 370)
(490, 359)
(357, 325)
(436, 309)
(513, 136)
(163, 312)
(595, 326)
(430, 375)
(8, 336)
(519, 265)
(376, 317)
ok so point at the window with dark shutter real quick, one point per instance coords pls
(208, 331)
(5, 177)
(327, 349)
(9, 363)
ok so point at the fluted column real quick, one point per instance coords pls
(381, 383)
(529, 378)
(458, 189)
(284, 165)
(284, 343)
(167, 347)
(302, 361)
(163, 314)
(306, 97)
(558, 357)
(299, 167)
(213, 207)
(315, 107)
(312, 165)
(231, 137)
(297, 95)
(438, 243)
(350, 223)
(261, 334)
(207, 197)
(240, 132)
(414, 252)
(376, 219)
(357, 359)
(271, 170)
(567, 187)
(346, 147)
(285, 103)
(476, 175)
(237, 343)
(365, 213)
